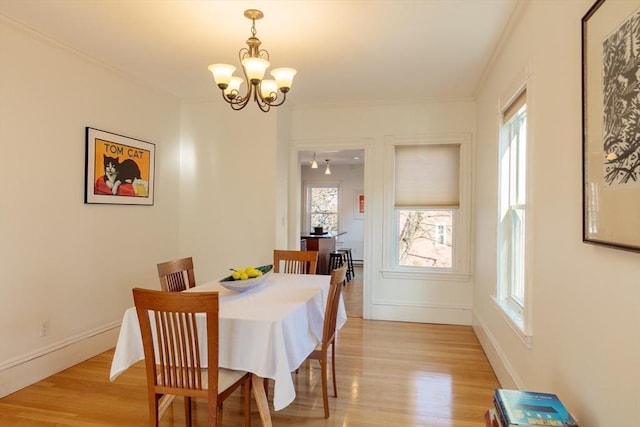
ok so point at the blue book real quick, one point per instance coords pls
(518, 408)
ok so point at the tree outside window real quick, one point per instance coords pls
(425, 238)
(323, 211)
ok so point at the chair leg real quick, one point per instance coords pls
(154, 411)
(333, 368)
(247, 402)
(187, 410)
(214, 413)
(266, 387)
(325, 397)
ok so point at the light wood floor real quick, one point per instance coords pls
(352, 294)
(389, 374)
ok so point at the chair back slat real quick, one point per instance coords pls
(176, 275)
(295, 262)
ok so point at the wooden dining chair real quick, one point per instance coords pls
(176, 275)
(174, 366)
(329, 334)
(295, 262)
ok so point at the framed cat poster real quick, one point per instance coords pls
(118, 169)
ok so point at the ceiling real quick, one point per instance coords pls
(345, 51)
(341, 157)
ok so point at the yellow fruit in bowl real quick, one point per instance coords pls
(248, 272)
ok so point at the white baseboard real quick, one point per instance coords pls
(422, 313)
(30, 368)
(504, 371)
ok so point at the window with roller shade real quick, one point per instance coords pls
(426, 205)
(512, 208)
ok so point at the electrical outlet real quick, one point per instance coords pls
(44, 328)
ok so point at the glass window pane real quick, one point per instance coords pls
(324, 200)
(323, 205)
(517, 286)
(327, 221)
(425, 238)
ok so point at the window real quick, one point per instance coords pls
(512, 208)
(423, 238)
(427, 220)
(441, 231)
(322, 206)
(426, 205)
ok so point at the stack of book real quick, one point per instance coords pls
(516, 408)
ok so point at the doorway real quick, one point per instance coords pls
(342, 169)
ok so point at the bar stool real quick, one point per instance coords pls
(335, 261)
(351, 272)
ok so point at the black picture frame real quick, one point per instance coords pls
(611, 125)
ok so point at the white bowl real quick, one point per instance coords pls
(245, 285)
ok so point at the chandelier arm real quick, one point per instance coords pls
(242, 53)
(264, 54)
(262, 104)
(239, 104)
(284, 98)
(264, 108)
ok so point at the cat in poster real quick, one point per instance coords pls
(117, 173)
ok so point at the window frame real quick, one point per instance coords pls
(516, 313)
(461, 220)
(307, 213)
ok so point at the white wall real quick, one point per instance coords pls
(586, 344)
(350, 178)
(351, 127)
(283, 152)
(63, 261)
(228, 188)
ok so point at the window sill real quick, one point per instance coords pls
(515, 320)
(451, 277)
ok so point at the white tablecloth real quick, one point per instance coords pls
(269, 330)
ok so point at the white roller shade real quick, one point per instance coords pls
(514, 106)
(427, 175)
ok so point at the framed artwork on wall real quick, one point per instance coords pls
(611, 124)
(358, 205)
(118, 169)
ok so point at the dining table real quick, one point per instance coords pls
(268, 330)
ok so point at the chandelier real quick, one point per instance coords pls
(254, 62)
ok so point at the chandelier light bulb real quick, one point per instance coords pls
(314, 164)
(268, 90)
(233, 89)
(255, 68)
(284, 77)
(327, 170)
(222, 74)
